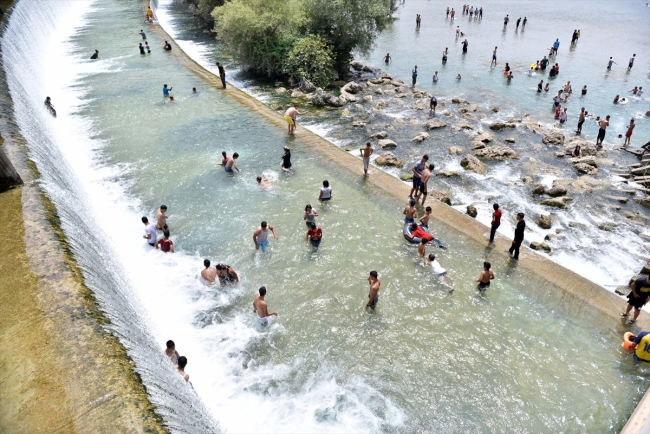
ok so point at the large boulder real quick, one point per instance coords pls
(538, 190)
(557, 191)
(297, 93)
(356, 65)
(498, 126)
(497, 153)
(281, 91)
(553, 138)
(591, 160)
(307, 86)
(352, 87)
(544, 222)
(379, 135)
(421, 137)
(557, 202)
(388, 159)
(348, 97)
(585, 168)
(455, 150)
(588, 149)
(471, 211)
(478, 145)
(386, 75)
(536, 128)
(434, 124)
(470, 162)
(387, 144)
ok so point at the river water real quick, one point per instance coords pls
(597, 236)
(426, 360)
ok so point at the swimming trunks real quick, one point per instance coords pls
(374, 301)
(601, 133)
(263, 245)
(408, 220)
(366, 162)
(482, 286)
(289, 120)
(228, 169)
(264, 320)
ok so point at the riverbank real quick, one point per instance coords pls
(62, 371)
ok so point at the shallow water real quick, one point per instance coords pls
(424, 361)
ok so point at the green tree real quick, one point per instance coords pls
(260, 32)
(311, 59)
(347, 25)
(204, 9)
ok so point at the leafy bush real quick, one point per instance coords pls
(311, 59)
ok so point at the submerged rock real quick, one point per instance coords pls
(540, 246)
(388, 159)
(586, 160)
(484, 137)
(510, 140)
(459, 101)
(471, 211)
(359, 124)
(379, 135)
(553, 138)
(434, 124)
(497, 153)
(557, 191)
(478, 145)
(367, 98)
(527, 179)
(381, 105)
(495, 109)
(456, 150)
(387, 144)
(447, 173)
(421, 137)
(356, 65)
(544, 222)
(557, 202)
(498, 126)
(538, 190)
(585, 168)
(470, 162)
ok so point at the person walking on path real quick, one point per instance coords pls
(603, 124)
(637, 298)
(261, 308)
(290, 117)
(494, 57)
(628, 134)
(261, 236)
(496, 221)
(486, 276)
(222, 74)
(414, 75)
(631, 64)
(365, 156)
(519, 236)
(373, 296)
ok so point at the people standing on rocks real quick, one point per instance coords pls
(231, 164)
(410, 212)
(171, 352)
(486, 276)
(603, 124)
(314, 236)
(417, 173)
(161, 218)
(261, 236)
(290, 117)
(222, 74)
(209, 274)
(414, 75)
(494, 56)
(373, 295)
(628, 133)
(150, 232)
(519, 236)
(387, 58)
(286, 159)
(325, 192)
(637, 298)
(426, 176)
(496, 221)
(365, 156)
(261, 308)
(631, 64)
(432, 104)
(165, 244)
(610, 63)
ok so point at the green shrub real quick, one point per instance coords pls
(311, 59)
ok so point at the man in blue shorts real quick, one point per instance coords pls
(417, 175)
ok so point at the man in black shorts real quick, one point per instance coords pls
(638, 297)
(418, 168)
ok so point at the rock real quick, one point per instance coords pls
(527, 179)
(388, 159)
(464, 126)
(535, 245)
(455, 150)
(545, 247)
(623, 290)
(356, 65)
(606, 227)
(549, 237)
(557, 202)
(280, 91)
(510, 140)
(459, 101)
(386, 75)
(585, 168)
(421, 137)
(401, 91)
(497, 153)
(406, 176)
(560, 154)
(498, 126)
(367, 98)
(536, 128)
(447, 173)
(367, 68)
(619, 199)
(345, 113)
(586, 160)
(495, 109)
(471, 211)
(544, 221)
(557, 191)
(553, 138)
(296, 93)
(381, 105)
(339, 83)
(538, 190)
(434, 124)
(472, 107)
(376, 81)
(359, 124)
(462, 110)
(645, 270)
(307, 86)
(397, 83)
(470, 162)
(588, 149)
(348, 97)
(379, 91)
(484, 137)
(448, 114)
(446, 199)
(379, 135)
(387, 144)
(478, 145)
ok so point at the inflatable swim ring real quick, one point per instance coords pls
(414, 240)
(622, 101)
(628, 341)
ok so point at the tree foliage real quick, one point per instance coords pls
(311, 59)
(204, 9)
(260, 32)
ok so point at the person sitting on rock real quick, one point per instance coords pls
(577, 152)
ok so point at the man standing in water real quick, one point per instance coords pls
(290, 117)
(150, 232)
(414, 75)
(631, 64)
(230, 163)
(494, 53)
(519, 236)
(161, 218)
(209, 274)
(496, 221)
(610, 63)
(486, 276)
(261, 308)
(387, 58)
(261, 236)
(365, 156)
(373, 296)
(417, 175)
(603, 124)
(222, 74)
(166, 89)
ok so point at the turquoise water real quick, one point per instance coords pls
(424, 361)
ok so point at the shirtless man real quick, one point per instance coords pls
(261, 236)
(226, 274)
(387, 58)
(180, 367)
(603, 124)
(231, 164)
(410, 212)
(373, 296)
(260, 307)
(365, 155)
(426, 175)
(290, 117)
(209, 274)
(171, 352)
(161, 218)
(581, 120)
(486, 276)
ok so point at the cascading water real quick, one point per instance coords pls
(36, 57)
